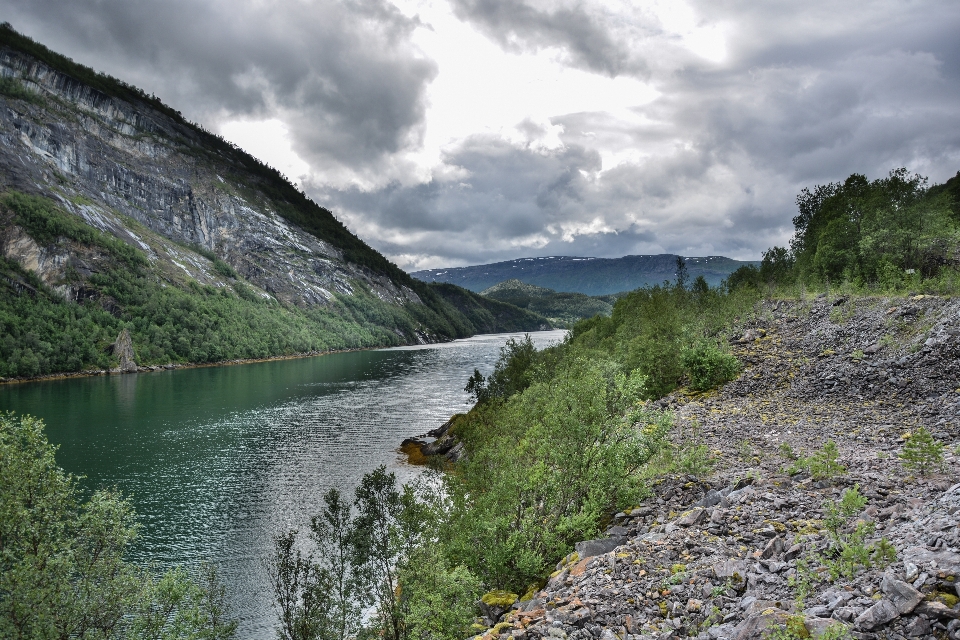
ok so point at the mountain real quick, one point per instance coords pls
(120, 216)
(561, 309)
(591, 276)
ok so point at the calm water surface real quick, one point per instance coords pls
(217, 460)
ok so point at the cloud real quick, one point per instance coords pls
(586, 37)
(805, 95)
(343, 76)
(725, 109)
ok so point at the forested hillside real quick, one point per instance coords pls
(119, 215)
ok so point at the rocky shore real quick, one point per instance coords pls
(752, 542)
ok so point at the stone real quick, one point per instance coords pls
(591, 548)
(903, 596)
(819, 626)
(123, 350)
(917, 627)
(691, 517)
(759, 626)
(910, 571)
(937, 610)
(879, 614)
(946, 561)
(770, 549)
(711, 498)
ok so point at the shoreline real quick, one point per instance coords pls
(93, 373)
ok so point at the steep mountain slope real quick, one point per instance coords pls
(119, 214)
(592, 276)
(559, 308)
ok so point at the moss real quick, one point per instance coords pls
(796, 628)
(946, 598)
(414, 452)
(498, 598)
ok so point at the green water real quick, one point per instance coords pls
(217, 460)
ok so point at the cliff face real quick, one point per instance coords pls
(159, 184)
(117, 215)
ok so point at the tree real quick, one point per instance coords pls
(682, 273)
(318, 595)
(62, 567)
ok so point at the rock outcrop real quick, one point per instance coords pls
(123, 350)
(178, 193)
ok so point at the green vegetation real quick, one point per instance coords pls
(890, 234)
(822, 465)
(63, 569)
(41, 332)
(922, 453)
(562, 309)
(381, 554)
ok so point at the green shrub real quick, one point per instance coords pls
(922, 453)
(64, 567)
(708, 366)
(822, 465)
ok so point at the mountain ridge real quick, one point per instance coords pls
(587, 275)
(118, 214)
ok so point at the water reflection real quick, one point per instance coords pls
(219, 459)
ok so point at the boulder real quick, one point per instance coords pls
(123, 349)
(879, 614)
(903, 596)
(590, 548)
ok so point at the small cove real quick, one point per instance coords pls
(217, 460)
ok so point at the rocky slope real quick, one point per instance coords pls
(203, 213)
(748, 543)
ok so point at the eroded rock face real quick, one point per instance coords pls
(123, 349)
(155, 183)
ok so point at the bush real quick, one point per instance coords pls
(64, 568)
(708, 366)
(922, 453)
(545, 466)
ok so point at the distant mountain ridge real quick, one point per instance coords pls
(591, 276)
(561, 309)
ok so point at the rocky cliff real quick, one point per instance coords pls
(163, 185)
(201, 217)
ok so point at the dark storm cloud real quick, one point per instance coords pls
(342, 75)
(518, 26)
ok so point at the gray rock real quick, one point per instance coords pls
(903, 596)
(946, 561)
(591, 548)
(918, 627)
(691, 517)
(710, 499)
(910, 571)
(819, 626)
(879, 614)
(123, 349)
(937, 610)
(754, 627)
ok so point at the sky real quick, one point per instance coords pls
(457, 132)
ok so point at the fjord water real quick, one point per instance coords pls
(219, 459)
